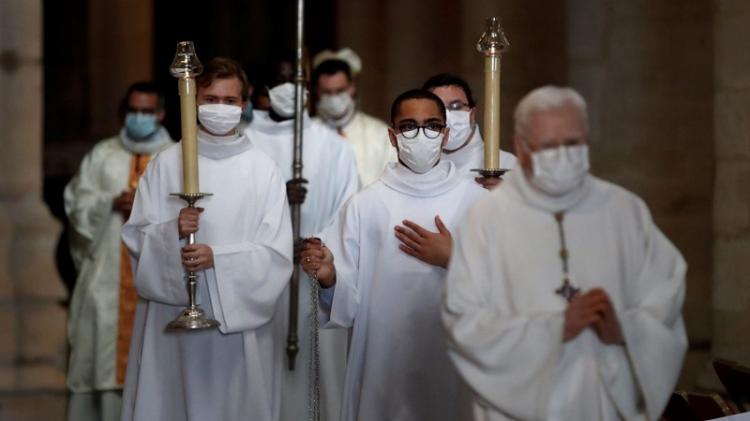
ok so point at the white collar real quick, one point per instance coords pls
(150, 145)
(221, 147)
(517, 181)
(438, 180)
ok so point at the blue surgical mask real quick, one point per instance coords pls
(140, 125)
(247, 113)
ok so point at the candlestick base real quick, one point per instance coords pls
(192, 317)
(491, 172)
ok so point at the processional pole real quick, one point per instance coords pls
(491, 45)
(292, 340)
(292, 347)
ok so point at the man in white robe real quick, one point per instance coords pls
(465, 146)
(336, 105)
(382, 275)
(331, 173)
(243, 257)
(563, 298)
(98, 199)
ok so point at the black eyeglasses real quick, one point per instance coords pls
(431, 130)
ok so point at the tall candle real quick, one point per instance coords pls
(492, 111)
(189, 136)
(491, 45)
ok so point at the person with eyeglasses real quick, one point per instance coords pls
(563, 298)
(381, 267)
(465, 146)
(98, 200)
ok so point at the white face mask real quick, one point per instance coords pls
(460, 126)
(560, 170)
(282, 99)
(421, 153)
(219, 119)
(335, 107)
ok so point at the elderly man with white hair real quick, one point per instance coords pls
(563, 298)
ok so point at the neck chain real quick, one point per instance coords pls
(566, 290)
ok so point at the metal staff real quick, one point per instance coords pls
(292, 340)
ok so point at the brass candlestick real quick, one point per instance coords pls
(492, 44)
(185, 67)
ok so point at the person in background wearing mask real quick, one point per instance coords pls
(465, 147)
(330, 167)
(563, 299)
(243, 257)
(248, 112)
(98, 199)
(335, 95)
(386, 282)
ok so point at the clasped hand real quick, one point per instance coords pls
(593, 309)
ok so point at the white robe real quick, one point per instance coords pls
(398, 367)
(368, 137)
(331, 171)
(96, 249)
(471, 157)
(95, 246)
(505, 321)
(233, 373)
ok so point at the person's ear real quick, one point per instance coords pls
(244, 105)
(352, 90)
(160, 116)
(473, 115)
(392, 137)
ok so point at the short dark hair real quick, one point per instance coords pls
(329, 68)
(447, 79)
(223, 68)
(415, 94)
(146, 87)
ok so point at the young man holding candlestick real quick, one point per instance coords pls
(243, 257)
(382, 274)
(465, 146)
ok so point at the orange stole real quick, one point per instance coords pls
(128, 295)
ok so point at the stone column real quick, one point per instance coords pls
(32, 322)
(731, 225)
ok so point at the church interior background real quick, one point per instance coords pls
(668, 85)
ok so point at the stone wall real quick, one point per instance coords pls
(403, 42)
(731, 223)
(32, 321)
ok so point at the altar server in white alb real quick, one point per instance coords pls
(383, 266)
(243, 257)
(330, 174)
(335, 92)
(563, 299)
(465, 146)
(97, 201)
